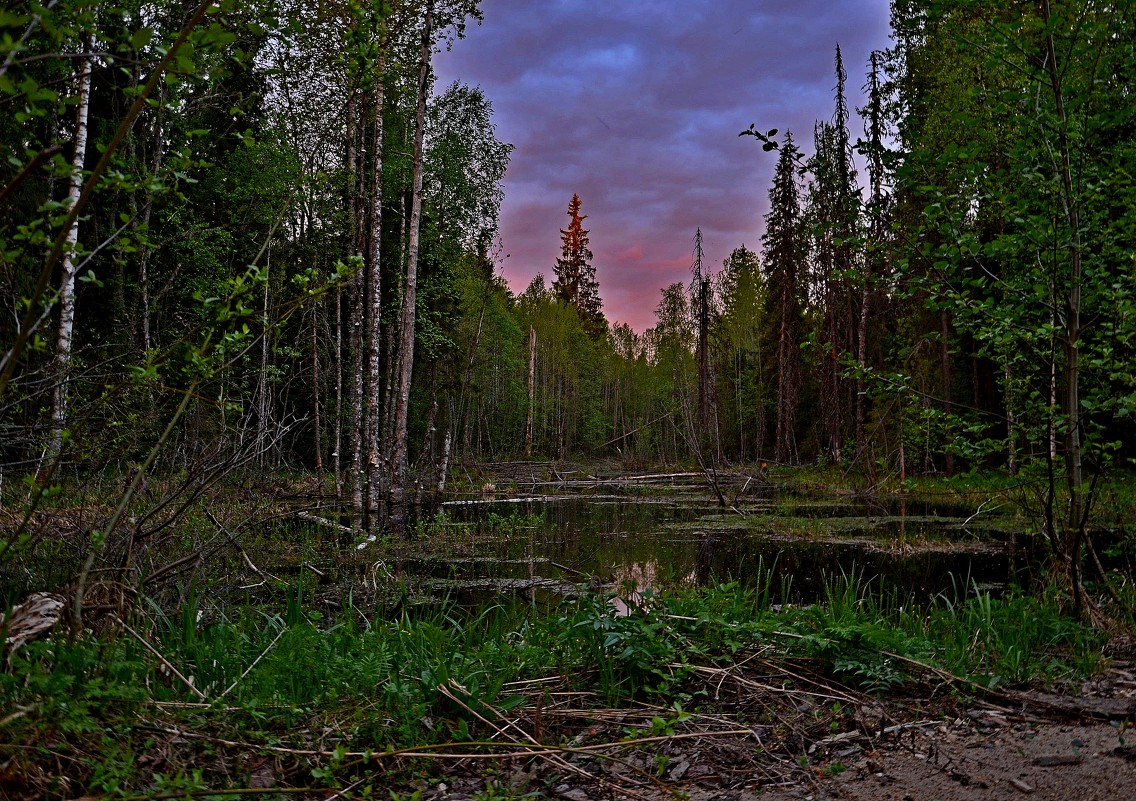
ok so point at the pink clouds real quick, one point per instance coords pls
(636, 105)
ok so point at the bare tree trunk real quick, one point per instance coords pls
(63, 345)
(862, 363)
(1052, 426)
(945, 367)
(831, 397)
(788, 382)
(375, 298)
(1011, 422)
(358, 312)
(902, 452)
(465, 402)
(1075, 525)
(336, 461)
(357, 401)
(262, 388)
(399, 461)
(316, 395)
(426, 457)
(532, 387)
(444, 463)
(144, 260)
(703, 354)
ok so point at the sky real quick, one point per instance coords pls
(636, 105)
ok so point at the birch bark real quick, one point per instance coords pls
(399, 461)
(64, 342)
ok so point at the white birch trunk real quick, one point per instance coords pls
(399, 462)
(63, 346)
(374, 302)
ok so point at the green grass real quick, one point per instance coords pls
(437, 675)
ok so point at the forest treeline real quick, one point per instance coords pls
(258, 234)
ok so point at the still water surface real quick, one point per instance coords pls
(678, 536)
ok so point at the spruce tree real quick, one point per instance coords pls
(576, 282)
(784, 253)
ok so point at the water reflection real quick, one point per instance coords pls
(643, 542)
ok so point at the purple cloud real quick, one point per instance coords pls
(636, 105)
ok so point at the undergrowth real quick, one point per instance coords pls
(79, 714)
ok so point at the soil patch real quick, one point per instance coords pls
(1027, 744)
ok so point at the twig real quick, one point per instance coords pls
(434, 750)
(567, 569)
(255, 662)
(161, 658)
(339, 793)
(200, 793)
(980, 511)
(949, 678)
(553, 758)
(323, 521)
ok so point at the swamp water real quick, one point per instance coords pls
(616, 535)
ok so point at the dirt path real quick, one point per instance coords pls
(979, 755)
(980, 759)
(1029, 745)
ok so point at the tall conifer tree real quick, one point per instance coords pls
(576, 282)
(784, 250)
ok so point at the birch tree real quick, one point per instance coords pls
(66, 331)
(405, 357)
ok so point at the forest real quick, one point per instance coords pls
(254, 311)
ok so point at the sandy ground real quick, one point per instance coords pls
(1062, 748)
(980, 759)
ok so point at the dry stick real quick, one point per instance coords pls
(169, 568)
(567, 569)
(951, 678)
(758, 685)
(197, 793)
(323, 521)
(4, 721)
(805, 679)
(120, 511)
(197, 705)
(161, 658)
(580, 749)
(244, 553)
(348, 788)
(255, 662)
(434, 751)
(553, 758)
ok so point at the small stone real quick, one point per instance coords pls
(1020, 785)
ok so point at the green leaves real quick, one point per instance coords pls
(140, 38)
